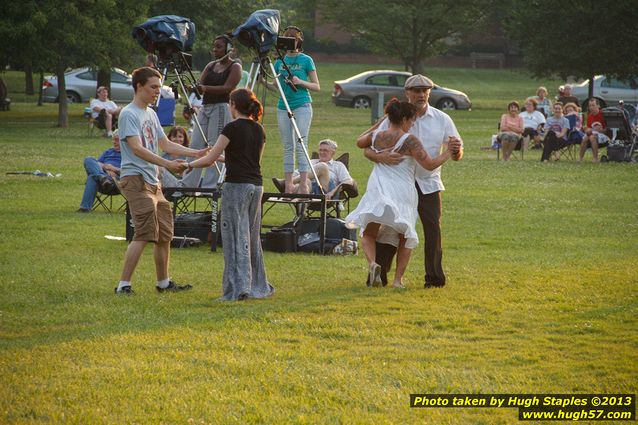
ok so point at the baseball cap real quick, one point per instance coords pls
(419, 81)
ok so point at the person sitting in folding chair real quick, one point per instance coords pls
(556, 127)
(575, 134)
(534, 120)
(102, 173)
(511, 129)
(179, 135)
(330, 172)
(104, 111)
(595, 136)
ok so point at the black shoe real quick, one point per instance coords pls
(279, 184)
(83, 210)
(174, 287)
(124, 290)
(433, 285)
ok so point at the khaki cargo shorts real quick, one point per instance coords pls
(151, 212)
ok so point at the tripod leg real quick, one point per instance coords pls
(303, 116)
(202, 133)
(297, 133)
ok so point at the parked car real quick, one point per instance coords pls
(81, 85)
(608, 90)
(359, 90)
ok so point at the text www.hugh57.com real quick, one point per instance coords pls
(540, 407)
(579, 415)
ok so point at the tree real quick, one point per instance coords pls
(411, 30)
(210, 18)
(579, 38)
(68, 34)
(114, 45)
(58, 35)
(23, 45)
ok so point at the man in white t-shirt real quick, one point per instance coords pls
(435, 129)
(104, 111)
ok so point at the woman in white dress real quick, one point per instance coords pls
(391, 198)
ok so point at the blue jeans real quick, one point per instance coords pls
(314, 188)
(303, 116)
(94, 174)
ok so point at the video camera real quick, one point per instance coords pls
(260, 31)
(287, 43)
(168, 36)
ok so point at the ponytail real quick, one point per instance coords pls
(255, 110)
(247, 103)
(397, 111)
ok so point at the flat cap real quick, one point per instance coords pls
(418, 81)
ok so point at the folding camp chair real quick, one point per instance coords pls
(574, 137)
(517, 149)
(110, 199)
(95, 122)
(90, 120)
(341, 200)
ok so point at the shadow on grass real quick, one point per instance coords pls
(80, 315)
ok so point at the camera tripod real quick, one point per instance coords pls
(176, 68)
(258, 67)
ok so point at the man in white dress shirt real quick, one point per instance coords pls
(435, 129)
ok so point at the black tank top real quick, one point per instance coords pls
(216, 79)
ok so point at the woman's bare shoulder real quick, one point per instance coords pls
(384, 139)
(412, 143)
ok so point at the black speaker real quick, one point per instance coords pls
(193, 225)
(280, 240)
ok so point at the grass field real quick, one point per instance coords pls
(542, 293)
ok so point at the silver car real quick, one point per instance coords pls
(81, 85)
(358, 91)
(608, 90)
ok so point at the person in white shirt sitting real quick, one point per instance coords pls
(104, 111)
(331, 173)
(534, 121)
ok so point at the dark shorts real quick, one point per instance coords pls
(531, 132)
(151, 212)
(100, 121)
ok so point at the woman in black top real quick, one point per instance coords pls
(243, 141)
(219, 78)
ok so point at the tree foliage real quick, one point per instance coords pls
(22, 32)
(212, 18)
(54, 35)
(579, 38)
(114, 45)
(67, 44)
(411, 30)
